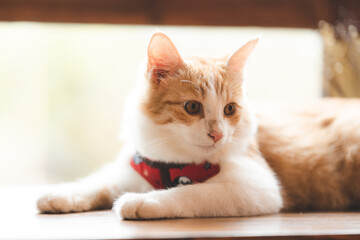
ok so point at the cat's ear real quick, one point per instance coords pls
(163, 57)
(235, 64)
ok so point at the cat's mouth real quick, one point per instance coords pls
(206, 147)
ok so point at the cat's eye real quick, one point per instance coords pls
(230, 109)
(192, 107)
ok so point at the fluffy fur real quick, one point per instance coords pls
(314, 153)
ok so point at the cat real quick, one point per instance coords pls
(197, 149)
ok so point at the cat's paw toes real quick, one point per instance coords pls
(139, 206)
(61, 203)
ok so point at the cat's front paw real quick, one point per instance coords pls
(140, 206)
(61, 202)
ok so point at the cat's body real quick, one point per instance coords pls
(314, 150)
(193, 111)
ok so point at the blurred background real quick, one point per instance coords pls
(67, 66)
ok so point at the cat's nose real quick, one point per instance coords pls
(216, 136)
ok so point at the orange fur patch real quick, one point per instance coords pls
(315, 151)
(165, 99)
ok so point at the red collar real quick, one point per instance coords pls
(167, 175)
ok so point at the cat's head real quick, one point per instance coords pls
(197, 106)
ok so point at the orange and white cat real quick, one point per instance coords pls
(192, 112)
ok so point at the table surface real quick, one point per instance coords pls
(20, 219)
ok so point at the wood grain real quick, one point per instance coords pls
(19, 219)
(266, 13)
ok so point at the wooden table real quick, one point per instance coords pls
(19, 219)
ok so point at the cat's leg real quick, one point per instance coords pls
(97, 191)
(250, 189)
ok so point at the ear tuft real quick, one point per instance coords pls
(163, 56)
(236, 62)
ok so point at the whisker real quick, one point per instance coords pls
(157, 141)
